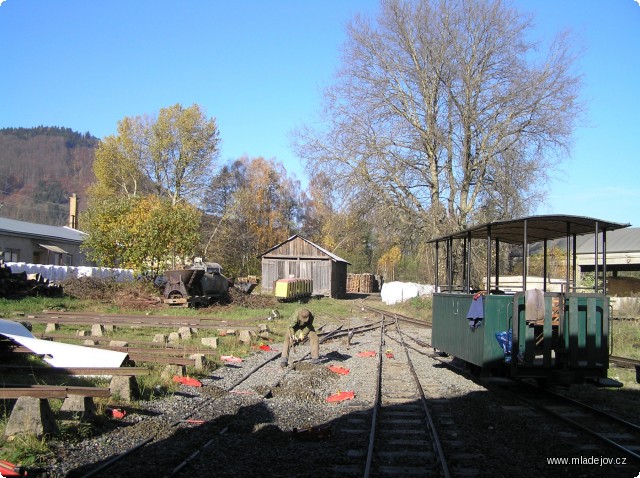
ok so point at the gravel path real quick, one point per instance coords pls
(250, 431)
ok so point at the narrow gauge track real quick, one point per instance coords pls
(605, 427)
(624, 362)
(403, 440)
(195, 422)
(610, 429)
(396, 316)
(72, 318)
(129, 459)
(596, 423)
(620, 434)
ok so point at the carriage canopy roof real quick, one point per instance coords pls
(538, 228)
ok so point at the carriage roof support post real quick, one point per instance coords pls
(567, 277)
(575, 262)
(488, 258)
(497, 265)
(450, 263)
(465, 259)
(525, 257)
(604, 261)
(468, 265)
(595, 238)
(437, 268)
(544, 265)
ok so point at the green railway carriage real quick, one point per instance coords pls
(531, 332)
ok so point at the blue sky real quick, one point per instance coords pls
(258, 67)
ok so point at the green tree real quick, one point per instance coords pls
(183, 143)
(171, 155)
(118, 166)
(141, 211)
(251, 205)
(446, 113)
(145, 234)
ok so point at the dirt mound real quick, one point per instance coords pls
(253, 301)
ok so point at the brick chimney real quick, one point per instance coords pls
(73, 212)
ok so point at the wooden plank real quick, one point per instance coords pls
(43, 370)
(162, 359)
(51, 391)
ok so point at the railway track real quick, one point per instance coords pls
(197, 424)
(405, 439)
(624, 362)
(192, 442)
(619, 434)
(87, 318)
(402, 435)
(183, 451)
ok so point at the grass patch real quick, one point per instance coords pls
(625, 338)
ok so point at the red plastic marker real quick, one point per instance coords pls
(190, 382)
(9, 469)
(116, 413)
(230, 359)
(266, 348)
(339, 370)
(341, 396)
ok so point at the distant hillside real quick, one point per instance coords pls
(40, 168)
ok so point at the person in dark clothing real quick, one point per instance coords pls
(300, 327)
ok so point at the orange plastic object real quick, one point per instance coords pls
(191, 382)
(116, 413)
(192, 422)
(368, 353)
(341, 396)
(340, 370)
(9, 469)
(230, 359)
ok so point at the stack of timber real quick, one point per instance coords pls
(21, 284)
(363, 283)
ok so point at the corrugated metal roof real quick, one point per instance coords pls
(538, 228)
(621, 240)
(40, 230)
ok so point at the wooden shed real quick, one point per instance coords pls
(298, 257)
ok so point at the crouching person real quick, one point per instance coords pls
(300, 326)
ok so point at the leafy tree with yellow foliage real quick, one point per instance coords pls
(143, 233)
(251, 205)
(141, 211)
(388, 262)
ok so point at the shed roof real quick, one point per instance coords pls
(330, 254)
(13, 226)
(538, 228)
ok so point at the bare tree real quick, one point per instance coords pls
(446, 112)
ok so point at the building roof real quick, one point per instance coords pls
(538, 228)
(622, 240)
(12, 226)
(330, 254)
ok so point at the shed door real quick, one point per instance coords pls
(269, 274)
(322, 278)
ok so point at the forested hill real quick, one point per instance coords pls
(40, 168)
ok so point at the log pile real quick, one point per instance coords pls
(363, 283)
(21, 284)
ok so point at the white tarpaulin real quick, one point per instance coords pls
(59, 354)
(394, 292)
